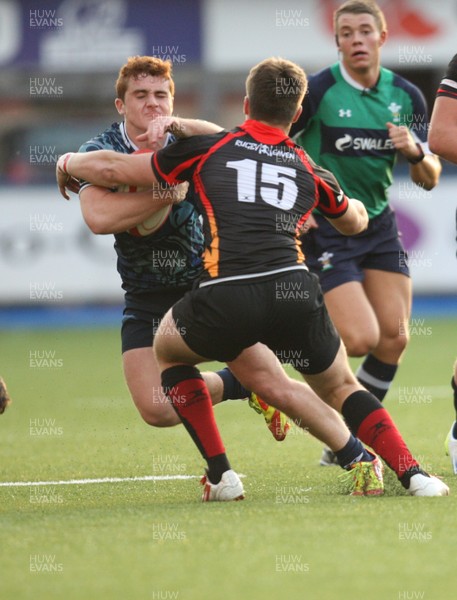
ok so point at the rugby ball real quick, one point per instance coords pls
(152, 223)
(155, 221)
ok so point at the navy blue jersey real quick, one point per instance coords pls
(169, 257)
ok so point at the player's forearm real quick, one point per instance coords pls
(443, 128)
(160, 127)
(427, 172)
(184, 128)
(100, 167)
(354, 220)
(107, 168)
(107, 212)
(424, 169)
(442, 141)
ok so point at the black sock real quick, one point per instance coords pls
(454, 388)
(233, 390)
(406, 478)
(217, 465)
(376, 376)
(356, 409)
(353, 452)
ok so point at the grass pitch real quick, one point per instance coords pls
(295, 536)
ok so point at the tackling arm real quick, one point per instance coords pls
(159, 127)
(105, 211)
(105, 168)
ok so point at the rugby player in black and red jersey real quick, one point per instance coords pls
(245, 181)
(157, 269)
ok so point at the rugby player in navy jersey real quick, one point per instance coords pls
(156, 270)
(247, 180)
(357, 118)
(443, 141)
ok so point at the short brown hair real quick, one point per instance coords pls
(275, 88)
(143, 65)
(359, 7)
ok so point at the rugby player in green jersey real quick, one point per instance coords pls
(356, 119)
(443, 141)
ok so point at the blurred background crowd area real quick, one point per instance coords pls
(59, 61)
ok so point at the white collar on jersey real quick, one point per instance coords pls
(349, 79)
(129, 142)
(355, 84)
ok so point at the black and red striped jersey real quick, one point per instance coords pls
(448, 85)
(255, 189)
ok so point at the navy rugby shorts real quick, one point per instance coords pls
(338, 259)
(142, 315)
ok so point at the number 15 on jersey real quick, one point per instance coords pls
(277, 183)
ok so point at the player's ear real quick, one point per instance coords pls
(246, 106)
(383, 37)
(119, 106)
(297, 114)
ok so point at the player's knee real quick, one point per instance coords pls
(396, 338)
(156, 411)
(400, 341)
(159, 421)
(393, 344)
(360, 345)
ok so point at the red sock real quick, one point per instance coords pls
(191, 400)
(378, 431)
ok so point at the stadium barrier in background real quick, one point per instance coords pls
(49, 256)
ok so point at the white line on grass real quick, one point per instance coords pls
(100, 480)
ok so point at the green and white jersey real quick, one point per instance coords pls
(343, 128)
